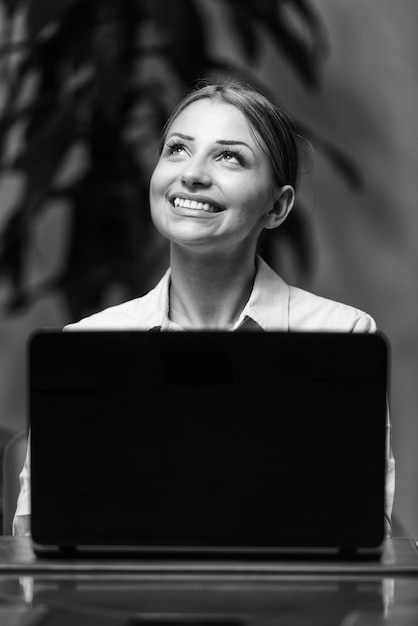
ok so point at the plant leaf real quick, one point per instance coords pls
(181, 27)
(295, 49)
(45, 149)
(12, 6)
(239, 17)
(13, 239)
(42, 13)
(319, 37)
(270, 15)
(106, 241)
(339, 159)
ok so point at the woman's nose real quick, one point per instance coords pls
(195, 174)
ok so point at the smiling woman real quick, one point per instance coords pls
(227, 171)
(213, 186)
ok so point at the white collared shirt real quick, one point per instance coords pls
(273, 305)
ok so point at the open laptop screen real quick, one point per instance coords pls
(208, 440)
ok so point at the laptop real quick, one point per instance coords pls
(207, 442)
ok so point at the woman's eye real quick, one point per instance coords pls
(230, 156)
(175, 148)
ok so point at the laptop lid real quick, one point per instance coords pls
(207, 441)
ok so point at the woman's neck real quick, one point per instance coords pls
(209, 291)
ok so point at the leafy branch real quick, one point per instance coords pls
(90, 83)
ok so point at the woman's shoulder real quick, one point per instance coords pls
(308, 311)
(124, 315)
(140, 313)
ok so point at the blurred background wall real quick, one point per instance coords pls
(365, 244)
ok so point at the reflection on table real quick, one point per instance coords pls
(58, 593)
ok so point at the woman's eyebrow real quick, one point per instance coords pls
(188, 137)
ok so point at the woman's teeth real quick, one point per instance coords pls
(193, 204)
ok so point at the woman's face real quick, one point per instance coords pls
(212, 186)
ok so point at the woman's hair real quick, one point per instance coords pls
(268, 122)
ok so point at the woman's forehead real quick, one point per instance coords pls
(213, 117)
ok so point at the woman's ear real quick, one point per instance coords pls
(285, 199)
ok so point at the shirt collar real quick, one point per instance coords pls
(267, 306)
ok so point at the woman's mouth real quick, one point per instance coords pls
(186, 203)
